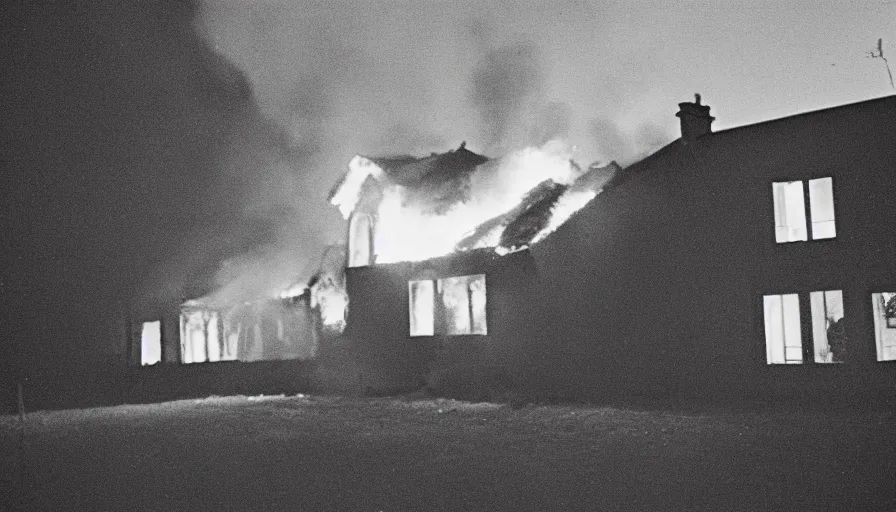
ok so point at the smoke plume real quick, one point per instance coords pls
(503, 82)
(331, 80)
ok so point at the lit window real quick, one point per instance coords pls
(151, 343)
(463, 299)
(421, 308)
(790, 210)
(821, 204)
(200, 337)
(454, 305)
(828, 333)
(884, 308)
(360, 249)
(783, 336)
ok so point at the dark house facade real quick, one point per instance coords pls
(464, 324)
(467, 321)
(756, 261)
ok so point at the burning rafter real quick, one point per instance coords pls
(414, 209)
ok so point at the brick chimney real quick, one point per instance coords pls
(695, 119)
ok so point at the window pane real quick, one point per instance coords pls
(359, 240)
(463, 300)
(790, 211)
(793, 336)
(828, 333)
(456, 299)
(200, 339)
(421, 308)
(477, 295)
(213, 347)
(884, 308)
(783, 338)
(151, 343)
(821, 205)
(192, 336)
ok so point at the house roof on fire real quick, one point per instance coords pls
(414, 172)
(437, 182)
(520, 226)
(449, 166)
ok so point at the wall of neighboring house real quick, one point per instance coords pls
(388, 358)
(657, 286)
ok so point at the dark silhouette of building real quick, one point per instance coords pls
(757, 261)
(754, 261)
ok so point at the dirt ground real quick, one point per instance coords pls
(327, 453)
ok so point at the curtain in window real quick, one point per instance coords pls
(790, 211)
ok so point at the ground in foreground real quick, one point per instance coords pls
(326, 453)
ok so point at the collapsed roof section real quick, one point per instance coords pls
(541, 211)
(437, 180)
(420, 208)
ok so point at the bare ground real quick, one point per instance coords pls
(327, 453)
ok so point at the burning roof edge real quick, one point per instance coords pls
(406, 169)
(539, 212)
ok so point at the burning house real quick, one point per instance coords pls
(756, 261)
(442, 286)
(753, 261)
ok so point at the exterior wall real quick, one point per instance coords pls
(282, 366)
(388, 359)
(169, 382)
(656, 287)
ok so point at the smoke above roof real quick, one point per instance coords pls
(333, 80)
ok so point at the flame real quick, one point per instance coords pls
(349, 192)
(331, 299)
(293, 291)
(405, 233)
(568, 204)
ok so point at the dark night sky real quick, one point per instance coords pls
(164, 150)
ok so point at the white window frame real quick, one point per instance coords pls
(790, 210)
(822, 315)
(778, 310)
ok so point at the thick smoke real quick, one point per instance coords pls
(611, 142)
(331, 80)
(504, 82)
(554, 122)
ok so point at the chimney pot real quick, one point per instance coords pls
(695, 119)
